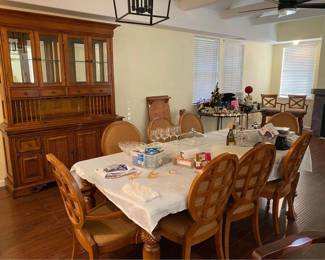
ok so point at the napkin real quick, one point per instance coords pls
(141, 192)
(115, 171)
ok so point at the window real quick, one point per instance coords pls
(205, 69)
(232, 67)
(298, 64)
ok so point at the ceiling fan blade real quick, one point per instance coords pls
(257, 10)
(316, 6)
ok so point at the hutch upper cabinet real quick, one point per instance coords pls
(57, 93)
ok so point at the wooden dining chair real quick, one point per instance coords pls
(206, 201)
(286, 186)
(281, 249)
(100, 230)
(285, 119)
(269, 106)
(189, 121)
(253, 171)
(155, 124)
(297, 106)
(119, 131)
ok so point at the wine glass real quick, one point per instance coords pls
(154, 135)
(177, 132)
(172, 132)
(164, 135)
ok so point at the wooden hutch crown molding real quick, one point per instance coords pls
(57, 93)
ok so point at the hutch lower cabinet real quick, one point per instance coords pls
(57, 93)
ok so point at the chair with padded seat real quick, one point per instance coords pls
(206, 202)
(286, 186)
(253, 171)
(189, 121)
(155, 124)
(114, 133)
(100, 230)
(297, 106)
(285, 119)
(270, 106)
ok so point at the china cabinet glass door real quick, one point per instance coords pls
(77, 60)
(49, 56)
(100, 64)
(21, 57)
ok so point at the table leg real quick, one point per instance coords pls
(246, 120)
(151, 248)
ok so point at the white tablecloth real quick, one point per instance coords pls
(173, 189)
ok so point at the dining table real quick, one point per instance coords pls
(171, 182)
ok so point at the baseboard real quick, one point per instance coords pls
(2, 183)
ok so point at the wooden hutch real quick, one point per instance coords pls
(57, 93)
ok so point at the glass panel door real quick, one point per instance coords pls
(77, 60)
(21, 57)
(100, 61)
(50, 59)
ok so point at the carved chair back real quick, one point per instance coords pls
(212, 188)
(119, 131)
(285, 119)
(253, 172)
(297, 101)
(158, 107)
(269, 101)
(187, 121)
(292, 161)
(70, 192)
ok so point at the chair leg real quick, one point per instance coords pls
(73, 246)
(291, 211)
(275, 215)
(256, 226)
(227, 237)
(267, 207)
(301, 124)
(218, 241)
(186, 251)
(294, 186)
(263, 120)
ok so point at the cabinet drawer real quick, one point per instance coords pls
(53, 92)
(79, 91)
(19, 93)
(101, 91)
(30, 144)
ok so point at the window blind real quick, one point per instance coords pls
(298, 64)
(232, 67)
(205, 67)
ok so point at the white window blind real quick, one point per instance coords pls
(232, 67)
(205, 69)
(298, 66)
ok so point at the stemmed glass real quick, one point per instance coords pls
(154, 135)
(164, 134)
(177, 132)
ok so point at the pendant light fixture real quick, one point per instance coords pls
(142, 12)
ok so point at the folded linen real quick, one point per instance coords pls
(141, 192)
(116, 171)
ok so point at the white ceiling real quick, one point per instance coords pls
(218, 17)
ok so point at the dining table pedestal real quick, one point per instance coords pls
(151, 247)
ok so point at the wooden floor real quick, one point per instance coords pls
(37, 227)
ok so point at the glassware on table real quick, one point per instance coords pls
(164, 134)
(177, 132)
(154, 135)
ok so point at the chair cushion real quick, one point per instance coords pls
(272, 186)
(296, 111)
(270, 110)
(178, 224)
(111, 230)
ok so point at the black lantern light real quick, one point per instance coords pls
(143, 9)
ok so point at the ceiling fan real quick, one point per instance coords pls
(289, 7)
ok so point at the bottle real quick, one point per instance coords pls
(231, 136)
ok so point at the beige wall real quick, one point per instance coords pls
(276, 76)
(151, 62)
